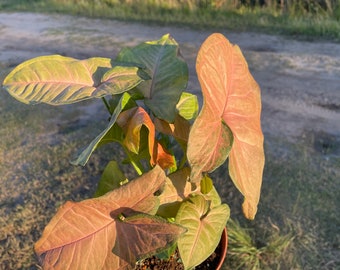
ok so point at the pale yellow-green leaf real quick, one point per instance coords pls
(187, 106)
(204, 225)
(57, 80)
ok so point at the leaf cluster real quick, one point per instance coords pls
(171, 147)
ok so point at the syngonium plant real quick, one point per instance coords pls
(173, 202)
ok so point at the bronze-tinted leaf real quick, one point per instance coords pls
(231, 99)
(150, 231)
(164, 158)
(209, 144)
(132, 121)
(179, 129)
(82, 235)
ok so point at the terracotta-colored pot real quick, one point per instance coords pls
(223, 248)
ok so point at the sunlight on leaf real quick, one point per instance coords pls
(163, 158)
(209, 191)
(177, 186)
(231, 101)
(163, 64)
(60, 80)
(188, 106)
(205, 226)
(82, 235)
(179, 129)
(209, 144)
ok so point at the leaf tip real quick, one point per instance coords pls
(249, 209)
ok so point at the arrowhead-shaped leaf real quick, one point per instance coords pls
(177, 187)
(168, 72)
(82, 235)
(231, 102)
(205, 226)
(132, 121)
(60, 80)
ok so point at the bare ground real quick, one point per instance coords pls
(300, 83)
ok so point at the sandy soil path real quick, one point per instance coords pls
(300, 80)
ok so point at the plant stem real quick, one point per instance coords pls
(107, 105)
(135, 163)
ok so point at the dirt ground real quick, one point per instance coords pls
(300, 80)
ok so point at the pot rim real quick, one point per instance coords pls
(224, 246)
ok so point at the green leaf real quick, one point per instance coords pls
(60, 80)
(205, 226)
(209, 191)
(188, 106)
(111, 179)
(120, 79)
(168, 72)
(103, 136)
(166, 254)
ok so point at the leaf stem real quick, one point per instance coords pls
(135, 163)
(107, 105)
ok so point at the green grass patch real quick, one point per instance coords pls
(297, 223)
(300, 20)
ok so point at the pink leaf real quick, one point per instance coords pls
(231, 101)
(82, 235)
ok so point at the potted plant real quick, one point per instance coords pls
(172, 203)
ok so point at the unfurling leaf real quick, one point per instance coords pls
(205, 226)
(229, 120)
(163, 64)
(83, 235)
(132, 121)
(60, 80)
